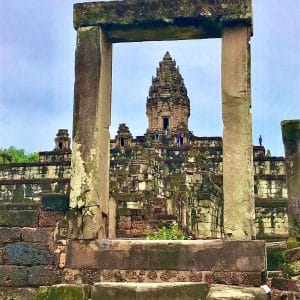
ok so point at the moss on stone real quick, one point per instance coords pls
(65, 292)
(293, 243)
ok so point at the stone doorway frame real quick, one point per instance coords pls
(99, 25)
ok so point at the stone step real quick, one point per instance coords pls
(150, 291)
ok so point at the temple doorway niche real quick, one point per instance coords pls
(166, 121)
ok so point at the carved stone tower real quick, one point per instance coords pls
(62, 140)
(168, 106)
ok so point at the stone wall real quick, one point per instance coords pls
(25, 182)
(155, 186)
(31, 239)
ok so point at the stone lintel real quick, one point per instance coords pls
(198, 255)
(148, 20)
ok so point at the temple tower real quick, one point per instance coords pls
(168, 106)
(62, 140)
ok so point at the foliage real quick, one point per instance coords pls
(293, 243)
(14, 155)
(168, 233)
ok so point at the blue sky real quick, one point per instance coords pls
(37, 44)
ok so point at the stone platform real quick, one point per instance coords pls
(212, 261)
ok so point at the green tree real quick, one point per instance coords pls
(14, 155)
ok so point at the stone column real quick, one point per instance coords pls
(291, 139)
(90, 152)
(238, 179)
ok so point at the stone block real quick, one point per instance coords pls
(19, 218)
(64, 291)
(152, 276)
(27, 254)
(238, 278)
(50, 218)
(37, 235)
(13, 276)
(124, 21)
(285, 284)
(55, 202)
(42, 275)
(149, 291)
(14, 293)
(223, 292)
(8, 235)
(198, 255)
(291, 255)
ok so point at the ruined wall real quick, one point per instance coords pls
(157, 186)
(25, 182)
(33, 203)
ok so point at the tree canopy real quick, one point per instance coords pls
(14, 155)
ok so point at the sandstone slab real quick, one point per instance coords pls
(199, 255)
(225, 292)
(132, 21)
(150, 291)
(27, 254)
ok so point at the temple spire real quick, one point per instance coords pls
(168, 106)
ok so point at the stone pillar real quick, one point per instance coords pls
(112, 218)
(90, 153)
(239, 213)
(291, 139)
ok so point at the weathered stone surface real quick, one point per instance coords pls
(42, 275)
(112, 218)
(50, 218)
(291, 139)
(287, 295)
(27, 254)
(90, 153)
(19, 218)
(41, 234)
(64, 291)
(14, 293)
(13, 276)
(223, 292)
(285, 284)
(292, 255)
(55, 202)
(150, 291)
(117, 275)
(8, 235)
(238, 278)
(1, 256)
(219, 255)
(238, 183)
(132, 21)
